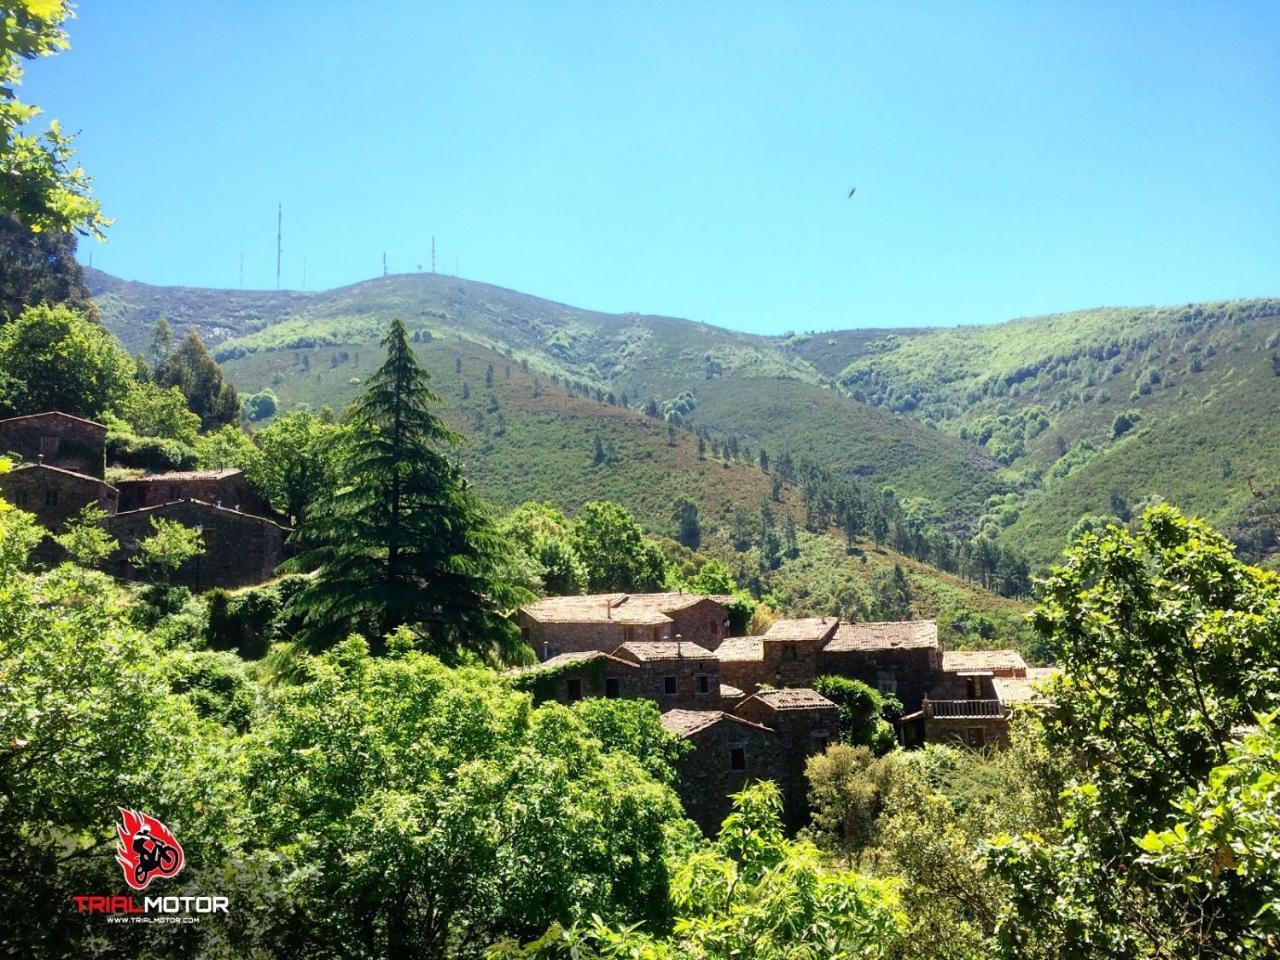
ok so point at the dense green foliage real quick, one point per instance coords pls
(39, 268)
(192, 370)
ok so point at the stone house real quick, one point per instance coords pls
(973, 699)
(728, 753)
(603, 622)
(902, 658)
(226, 488)
(571, 677)
(676, 674)
(53, 494)
(806, 722)
(57, 439)
(785, 656)
(240, 549)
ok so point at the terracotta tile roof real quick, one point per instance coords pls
(685, 723)
(961, 661)
(646, 650)
(633, 608)
(899, 635)
(740, 648)
(1026, 689)
(575, 656)
(181, 475)
(53, 413)
(668, 602)
(794, 698)
(729, 692)
(805, 628)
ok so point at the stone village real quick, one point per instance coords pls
(744, 703)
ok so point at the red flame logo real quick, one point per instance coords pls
(146, 850)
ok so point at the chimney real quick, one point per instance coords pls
(40, 458)
(679, 653)
(546, 650)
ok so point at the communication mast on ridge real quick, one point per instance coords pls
(384, 263)
(433, 254)
(279, 225)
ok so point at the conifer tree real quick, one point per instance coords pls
(402, 540)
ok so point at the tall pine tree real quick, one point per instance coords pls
(402, 541)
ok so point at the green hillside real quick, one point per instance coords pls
(1005, 429)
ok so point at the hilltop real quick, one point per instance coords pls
(1015, 429)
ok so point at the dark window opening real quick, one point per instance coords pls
(612, 689)
(50, 497)
(971, 684)
(737, 758)
(820, 742)
(175, 493)
(704, 683)
(575, 689)
(669, 686)
(976, 737)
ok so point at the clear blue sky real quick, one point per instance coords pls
(692, 159)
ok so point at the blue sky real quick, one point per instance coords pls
(692, 159)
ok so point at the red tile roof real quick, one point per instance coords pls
(685, 723)
(738, 649)
(794, 698)
(646, 650)
(634, 608)
(963, 661)
(62, 470)
(893, 635)
(804, 628)
(179, 476)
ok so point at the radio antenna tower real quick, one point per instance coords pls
(279, 225)
(384, 263)
(433, 254)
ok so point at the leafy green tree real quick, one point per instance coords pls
(299, 462)
(542, 533)
(396, 850)
(688, 526)
(39, 268)
(893, 594)
(866, 714)
(849, 788)
(752, 893)
(229, 448)
(151, 411)
(40, 183)
(161, 343)
(193, 370)
(85, 540)
(1168, 644)
(403, 540)
(52, 358)
(260, 406)
(615, 551)
(170, 545)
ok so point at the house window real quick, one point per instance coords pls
(737, 758)
(628, 634)
(975, 737)
(175, 492)
(669, 686)
(50, 497)
(887, 682)
(820, 742)
(612, 689)
(971, 687)
(704, 683)
(574, 689)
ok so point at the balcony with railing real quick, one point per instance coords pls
(960, 709)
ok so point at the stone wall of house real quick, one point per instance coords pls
(746, 675)
(802, 733)
(789, 663)
(706, 775)
(55, 496)
(909, 673)
(967, 731)
(61, 440)
(703, 623)
(697, 682)
(551, 639)
(240, 549)
(593, 678)
(232, 491)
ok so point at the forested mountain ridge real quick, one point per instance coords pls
(1014, 429)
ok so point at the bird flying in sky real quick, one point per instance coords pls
(852, 192)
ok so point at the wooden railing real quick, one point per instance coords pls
(963, 708)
